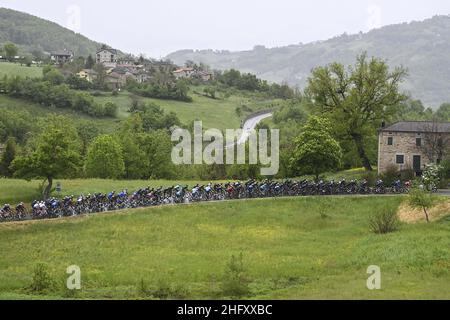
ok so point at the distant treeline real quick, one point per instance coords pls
(247, 81)
(168, 91)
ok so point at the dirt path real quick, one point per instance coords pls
(409, 215)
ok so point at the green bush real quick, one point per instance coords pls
(164, 291)
(392, 174)
(51, 94)
(235, 282)
(42, 281)
(384, 222)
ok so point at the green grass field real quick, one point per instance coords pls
(15, 69)
(14, 191)
(289, 252)
(108, 125)
(215, 113)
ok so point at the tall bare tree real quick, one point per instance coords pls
(436, 141)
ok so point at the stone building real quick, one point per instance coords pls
(61, 57)
(413, 145)
(184, 73)
(107, 56)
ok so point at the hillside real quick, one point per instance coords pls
(422, 47)
(289, 252)
(33, 33)
(215, 113)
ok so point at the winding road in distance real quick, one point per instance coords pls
(250, 125)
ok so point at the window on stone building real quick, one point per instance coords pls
(390, 141)
(400, 159)
(419, 142)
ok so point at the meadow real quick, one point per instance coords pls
(16, 190)
(15, 69)
(299, 248)
(217, 113)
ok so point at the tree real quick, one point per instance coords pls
(54, 76)
(87, 131)
(26, 60)
(100, 80)
(55, 152)
(157, 147)
(8, 157)
(435, 144)
(358, 98)
(443, 113)
(105, 158)
(11, 50)
(38, 54)
(315, 150)
(90, 62)
(210, 92)
(135, 160)
(420, 198)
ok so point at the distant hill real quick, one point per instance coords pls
(31, 33)
(422, 47)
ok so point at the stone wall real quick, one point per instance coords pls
(404, 143)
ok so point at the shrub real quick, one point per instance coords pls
(444, 174)
(431, 177)
(324, 207)
(384, 222)
(164, 290)
(420, 198)
(52, 94)
(390, 175)
(42, 281)
(235, 282)
(143, 289)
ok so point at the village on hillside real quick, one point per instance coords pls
(119, 68)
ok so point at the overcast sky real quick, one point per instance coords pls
(158, 27)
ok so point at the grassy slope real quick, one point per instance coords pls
(215, 113)
(105, 124)
(14, 191)
(289, 251)
(14, 69)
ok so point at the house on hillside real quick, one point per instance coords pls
(141, 76)
(164, 66)
(88, 74)
(115, 81)
(413, 145)
(204, 76)
(183, 73)
(107, 56)
(62, 56)
(117, 78)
